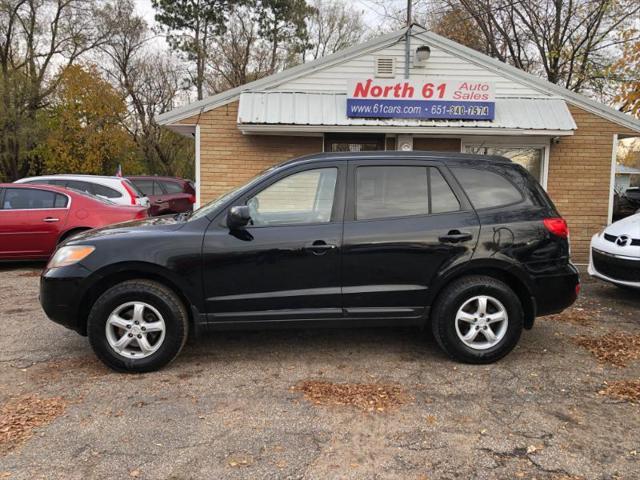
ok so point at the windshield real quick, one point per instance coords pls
(215, 204)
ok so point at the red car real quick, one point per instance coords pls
(34, 219)
(166, 194)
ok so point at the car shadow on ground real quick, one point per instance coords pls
(312, 342)
(6, 266)
(612, 293)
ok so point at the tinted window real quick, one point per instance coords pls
(105, 191)
(60, 183)
(39, 182)
(27, 198)
(135, 189)
(81, 186)
(391, 192)
(61, 201)
(305, 197)
(172, 187)
(487, 189)
(442, 197)
(145, 186)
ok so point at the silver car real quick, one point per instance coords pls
(116, 189)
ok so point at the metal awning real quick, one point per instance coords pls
(290, 112)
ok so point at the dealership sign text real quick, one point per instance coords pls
(429, 98)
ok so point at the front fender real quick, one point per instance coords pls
(186, 288)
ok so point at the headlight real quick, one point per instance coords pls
(69, 255)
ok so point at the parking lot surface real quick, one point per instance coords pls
(324, 404)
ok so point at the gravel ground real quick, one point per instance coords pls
(231, 407)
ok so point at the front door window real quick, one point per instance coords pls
(301, 198)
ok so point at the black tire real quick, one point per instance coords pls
(453, 297)
(164, 300)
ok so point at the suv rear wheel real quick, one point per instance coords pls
(477, 319)
(137, 326)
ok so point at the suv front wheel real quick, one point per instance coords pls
(137, 326)
(477, 319)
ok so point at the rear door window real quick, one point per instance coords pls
(59, 183)
(401, 191)
(442, 197)
(105, 191)
(487, 189)
(80, 185)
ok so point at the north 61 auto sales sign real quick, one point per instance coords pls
(428, 98)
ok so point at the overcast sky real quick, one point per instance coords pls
(372, 11)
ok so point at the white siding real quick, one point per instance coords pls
(440, 64)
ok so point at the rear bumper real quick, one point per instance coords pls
(555, 292)
(61, 295)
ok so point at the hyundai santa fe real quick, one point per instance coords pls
(470, 247)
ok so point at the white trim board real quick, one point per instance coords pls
(612, 179)
(197, 167)
(278, 129)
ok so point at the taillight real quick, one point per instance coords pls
(192, 198)
(130, 191)
(141, 214)
(557, 226)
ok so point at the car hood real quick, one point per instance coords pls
(166, 223)
(629, 226)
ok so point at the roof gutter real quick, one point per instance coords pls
(311, 130)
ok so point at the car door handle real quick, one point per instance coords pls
(455, 236)
(319, 247)
(50, 219)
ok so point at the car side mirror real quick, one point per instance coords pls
(238, 217)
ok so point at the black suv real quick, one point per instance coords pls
(470, 246)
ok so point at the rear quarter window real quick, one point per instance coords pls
(486, 188)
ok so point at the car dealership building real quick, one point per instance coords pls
(414, 90)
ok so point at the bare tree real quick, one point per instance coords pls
(241, 55)
(150, 80)
(333, 26)
(36, 38)
(568, 42)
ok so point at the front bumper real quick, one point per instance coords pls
(616, 269)
(61, 293)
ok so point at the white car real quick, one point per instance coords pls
(117, 189)
(615, 253)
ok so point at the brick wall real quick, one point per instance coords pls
(579, 177)
(228, 158)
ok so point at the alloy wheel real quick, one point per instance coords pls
(135, 330)
(481, 322)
